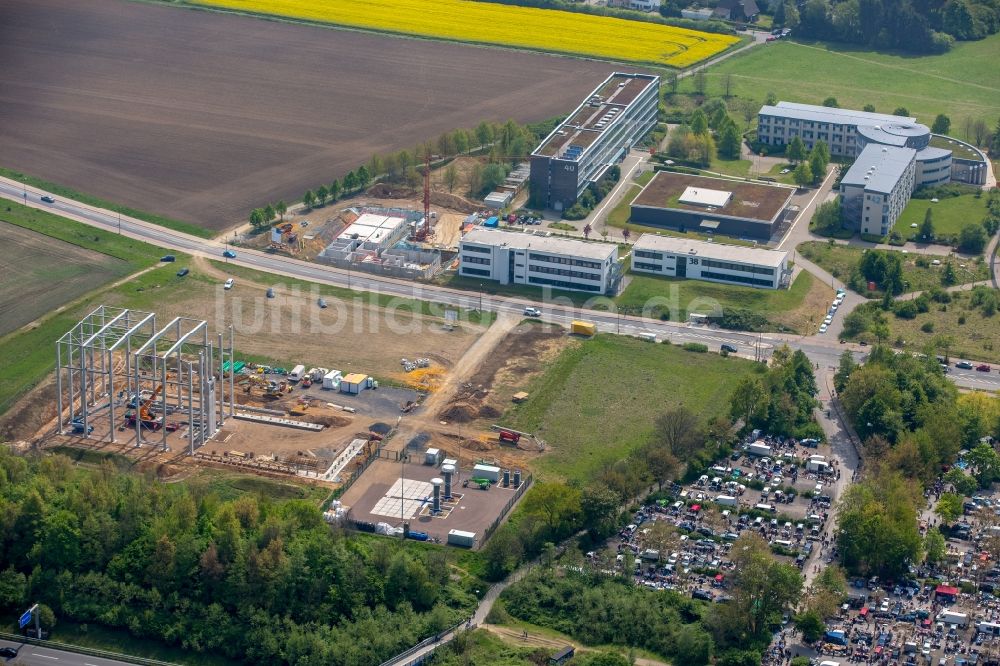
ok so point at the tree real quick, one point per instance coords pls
(661, 463)
(46, 618)
(699, 122)
(679, 431)
(927, 227)
(749, 400)
(762, 588)
(460, 139)
(771, 99)
(935, 547)
(980, 131)
(803, 174)
(557, 505)
(960, 481)
(942, 124)
(672, 82)
(257, 219)
(334, 190)
(972, 238)
(877, 534)
(828, 219)
(949, 507)
(281, 208)
(949, 276)
(626, 233)
(831, 102)
(847, 366)
(309, 198)
(985, 464)
(475, 179)
(796, 150)
(817, 165)
(995, 143)
(362, 176)
(869, 108)
(811, 625)
(587, 230)
(451, 177)
(730, 141)
(901, 111)
(599, 506)
(13, 588)
(484, 134)
(700, 82)
(350, 182)
(322, 193)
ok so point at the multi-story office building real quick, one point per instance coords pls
(698, 260)
(877, 187)
(510, 257)
(596, 136)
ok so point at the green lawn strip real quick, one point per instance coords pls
(948, 215)
(961, 83)
(599, 399)
(839, 261)
(69, 193)
(427, 308)
(643, 179)
(230, 485)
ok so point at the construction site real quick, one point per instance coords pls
(430, 455)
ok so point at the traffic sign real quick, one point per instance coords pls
(25, 620)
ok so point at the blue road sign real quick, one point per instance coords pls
(25, 620)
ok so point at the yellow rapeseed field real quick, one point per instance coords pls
(506, 25)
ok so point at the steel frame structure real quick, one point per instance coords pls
(179, 358)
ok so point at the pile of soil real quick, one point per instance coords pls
(478, 445)
(458, 412)
(489, 412)
(328, 420)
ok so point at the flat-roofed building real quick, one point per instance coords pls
(671, 256)
(686, 202)
(510, 257)
(877, 187)
(595, 137)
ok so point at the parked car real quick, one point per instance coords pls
(729, 349)
(964, 365)
(47, 199)
(532, 312)
(983, 367)
(229, 284)
(321, 302)
(704, 595)
(168, 258)
(182, 272)
(270, 292)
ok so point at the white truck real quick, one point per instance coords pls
(953, 617)
(725, 500)
(819, 466)
(759, 449)
(296, 373)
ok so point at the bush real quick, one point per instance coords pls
(927, 327)
(944, 191)
(906, 310)
(740, 319)
(695, 347)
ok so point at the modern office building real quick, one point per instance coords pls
(714, 262)
(510, 257)
(687, 202)
(596, 136)
(877, 187)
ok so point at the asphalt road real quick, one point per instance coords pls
(33, 655)
(822, 350)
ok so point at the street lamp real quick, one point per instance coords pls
(480, 296)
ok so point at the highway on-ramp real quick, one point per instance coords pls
(34, 655)
(822, 350)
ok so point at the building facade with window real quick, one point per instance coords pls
(510, 257)
(877, 187)
(671, 256)
(595, 137)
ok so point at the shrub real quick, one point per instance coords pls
(927, 327)
(906, 310)
(695, 347)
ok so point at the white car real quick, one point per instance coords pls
(828, 320)
(229, 284)
(834, 306)
(822, 328)
(532, 312)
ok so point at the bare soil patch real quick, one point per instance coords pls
(202, 116)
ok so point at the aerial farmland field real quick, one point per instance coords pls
(506, 25)
(202, 116)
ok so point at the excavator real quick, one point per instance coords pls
(146, 418)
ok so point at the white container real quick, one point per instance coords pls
(486, 472)
(331, 380)
(461, 538)
(432, 456)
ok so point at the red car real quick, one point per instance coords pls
(983, 368)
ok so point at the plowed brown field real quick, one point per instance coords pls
(202, 116)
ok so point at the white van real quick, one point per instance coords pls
(296, 373)
(765, 507)
(784, 543)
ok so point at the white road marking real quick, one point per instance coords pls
(45, 656)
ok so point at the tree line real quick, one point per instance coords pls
(249, 578)
(501, 144)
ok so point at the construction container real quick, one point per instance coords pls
(319, 374)
(296, 373)
(585, 328)
(331, 380)
(461, 538)
(486, 472)
(354, 383)
(759, 449)
(432, 456)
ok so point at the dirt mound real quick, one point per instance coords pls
(479, 445)
(442, 199)
(489, 412)
(454, 202)
(328, 420)
(458, 412)
(31, 413)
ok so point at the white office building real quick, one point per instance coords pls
(510, 257)
(672, 256)
(877, 187)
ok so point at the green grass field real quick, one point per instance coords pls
(839, 260)
(69, 193)
(949, 215)
(963, 83)
(599, 399)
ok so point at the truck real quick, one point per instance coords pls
(726, 500)
(296, 373)
(953, 617)
(585, 328)
(461, 538)
(759, 449)
(816, 466)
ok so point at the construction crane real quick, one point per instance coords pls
(146, 417)
(420, 232)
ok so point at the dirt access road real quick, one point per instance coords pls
(202, 116)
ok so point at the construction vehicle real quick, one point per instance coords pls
(509, 436)
(78, 427)
(146, 418)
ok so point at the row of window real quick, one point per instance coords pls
(475, 260)
(467, 270)
(476, 248)
(646, 254)
(639, 265)
(562, 271)
(730, 266)
(565, 284)
(534, 256)
(742, 279)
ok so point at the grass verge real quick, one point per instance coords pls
(948, 215)
(70, 193)
(599, 399)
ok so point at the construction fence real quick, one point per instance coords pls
(488, 532)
